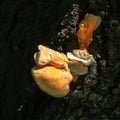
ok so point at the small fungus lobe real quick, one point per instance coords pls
(86, 28)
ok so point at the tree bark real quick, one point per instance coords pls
(27, 23)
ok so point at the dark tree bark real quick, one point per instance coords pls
(26, 23)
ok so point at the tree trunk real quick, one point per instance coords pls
(28, 23)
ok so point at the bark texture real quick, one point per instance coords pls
(26, 23)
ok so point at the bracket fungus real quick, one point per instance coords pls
(54, 70)
(51, 73)
(52, 80)
(79, 65)
(86, 28)
(47, 56)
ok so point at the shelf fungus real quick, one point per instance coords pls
(52, 80)
(47, 56)
(86, 29)
(51, 72)
(80, 61)
(54, 70)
